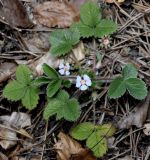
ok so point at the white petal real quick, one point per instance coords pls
(62, 71)
(83, 87)
(78, 84)
(68, 66)
(87, 79)
(61, 66)
(88, 82)
(67, 73)
(78, 79)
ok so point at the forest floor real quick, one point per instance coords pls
(24, 39)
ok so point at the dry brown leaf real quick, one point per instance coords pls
(147, 129)
(126, 158)
(79, 52)
(6, 70)
(14, 13)
(48, 59)
(17, 120)
(67, 149)
(8, 138)
(2, 156)
(55, 13)
(8, 135)
(112, 1)
(137, 117)
(78, 3)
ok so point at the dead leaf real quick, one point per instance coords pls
(79, 52)
(56, 13)
(78, 3)
(14, 13)
(2, 156)
(6, 70)
(126, 158)
(48, 59)
(147, 129)
(8, 138)
(17, 120)
(8, 135)
(137, 117)
(67, 149)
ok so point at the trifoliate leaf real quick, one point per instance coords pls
(82, 131)
(104, 28)
(62, 41)
(117, 88)
(23, 74)
(50, 72)
(31, 97)
(53, 87)
(90, 14)
(97, 144)
(14, 91)
(106, 130)
(63, 108)
(136, 88)
(41, 81)
(129, 71)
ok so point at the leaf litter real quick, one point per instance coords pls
(130, 44)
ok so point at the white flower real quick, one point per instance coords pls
(64, 69)
(83, 82)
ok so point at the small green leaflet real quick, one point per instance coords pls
(90, 23)
(90, 14)
(53, 87)
(82, 131)
(62, 107)
(136, 87)
(117, 88)
(50, 72)
(22, 88)
(129, 71)
(106, 130)
(63, 40)
(95, 136)
(97, 144)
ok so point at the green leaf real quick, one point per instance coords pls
(71, 110)
(62, 95)
(90, 14)
(136, 88)
(106, 130)
(31, 97)
(14, 91)
(53, 87)
(41, 81)
(62, 107)
(82, 131)
(50, 72)
(97, 144)
(129, 71)
(85, 31)
(66, 83)
(117, 88)
(23, 74)
(63, 40)
(52, 108)
(104, 28)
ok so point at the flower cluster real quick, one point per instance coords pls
(82, 82)
(64, 69)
